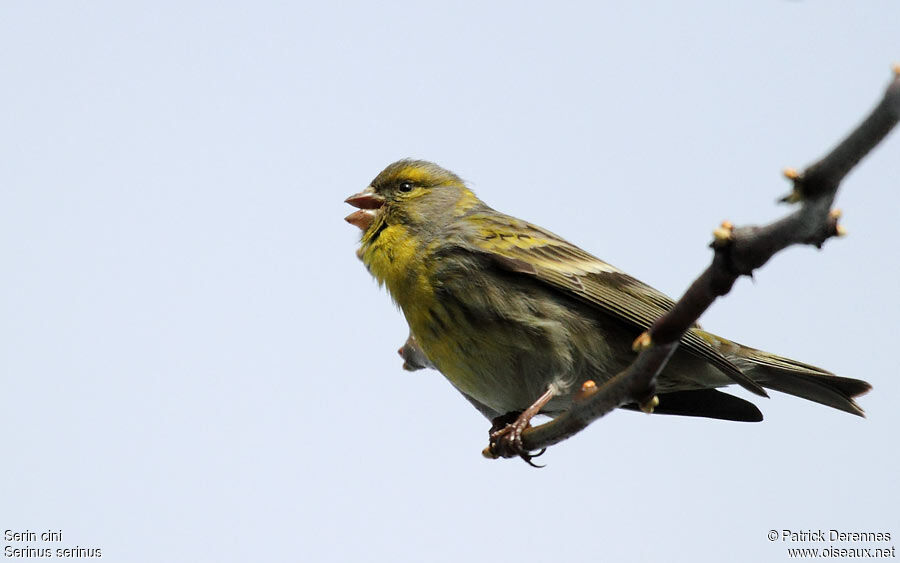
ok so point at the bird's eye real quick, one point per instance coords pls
(406, 186)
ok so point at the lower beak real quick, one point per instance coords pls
(362, 218)
(366, 199)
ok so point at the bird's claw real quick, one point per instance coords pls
(507, 442)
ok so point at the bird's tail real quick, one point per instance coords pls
(801, 380)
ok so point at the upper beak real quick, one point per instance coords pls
(366, 199)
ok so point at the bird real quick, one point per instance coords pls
(516, 318)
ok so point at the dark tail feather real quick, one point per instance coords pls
(830, 390)
(805, 381)
(707, 403)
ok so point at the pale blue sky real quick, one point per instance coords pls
(196, 367)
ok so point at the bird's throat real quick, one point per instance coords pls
(395, 259)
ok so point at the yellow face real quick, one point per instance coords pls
(400, 213)
(398, 196)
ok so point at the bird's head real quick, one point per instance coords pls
(414, 193)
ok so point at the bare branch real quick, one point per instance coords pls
(737, 252)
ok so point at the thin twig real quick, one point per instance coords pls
(738, 251)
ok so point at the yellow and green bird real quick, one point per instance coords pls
(517, 318)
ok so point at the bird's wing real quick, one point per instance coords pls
(521, 247)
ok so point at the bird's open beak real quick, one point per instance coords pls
(366, 199)
(368, 202)
(362, 218)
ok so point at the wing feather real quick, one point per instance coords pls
(524, 248)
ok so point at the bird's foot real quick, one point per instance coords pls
(506, 433)
(507, 442)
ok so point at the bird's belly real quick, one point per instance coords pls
(489, 363)
(505, 362)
